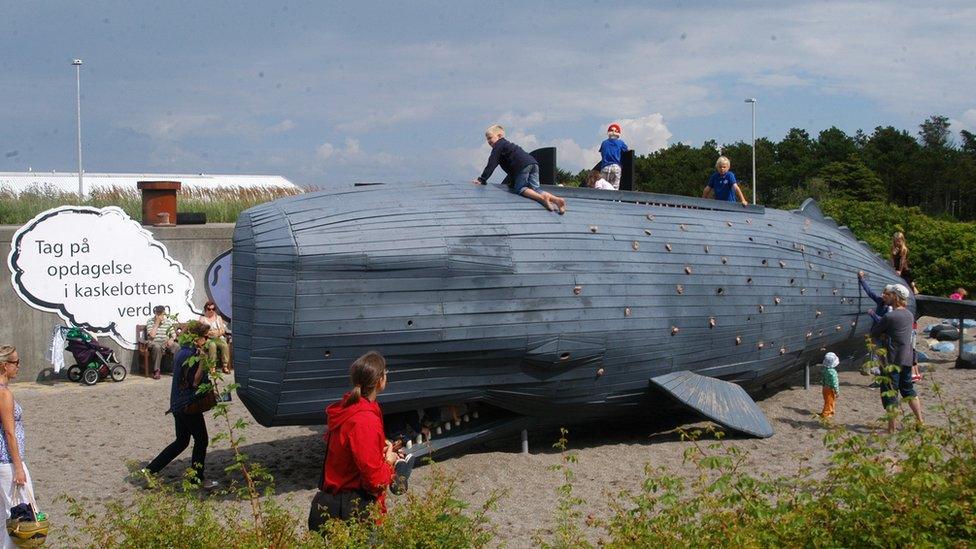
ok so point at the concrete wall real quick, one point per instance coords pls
(195, 246)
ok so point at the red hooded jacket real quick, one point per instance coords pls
(355, 457)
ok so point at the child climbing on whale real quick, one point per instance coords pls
(523, 169)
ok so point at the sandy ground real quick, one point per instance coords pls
(80, 438)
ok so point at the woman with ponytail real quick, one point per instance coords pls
(359, 461)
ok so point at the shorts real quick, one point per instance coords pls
(611, 172)
(900, 380)
(528, 178)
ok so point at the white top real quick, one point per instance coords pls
(603, 184)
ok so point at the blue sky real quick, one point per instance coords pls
(324, 92)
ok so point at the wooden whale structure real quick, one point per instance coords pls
(474, 294)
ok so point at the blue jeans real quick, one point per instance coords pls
(901, 381)
(528, 178)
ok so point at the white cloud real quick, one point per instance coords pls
(352, 153)
(283, 126)
(645, 134)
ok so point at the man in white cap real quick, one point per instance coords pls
(897, 325)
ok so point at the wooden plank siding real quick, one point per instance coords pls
(473, 293)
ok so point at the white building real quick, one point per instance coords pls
(67, 182)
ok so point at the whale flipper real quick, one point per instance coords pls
(720, 401)
(930, 305)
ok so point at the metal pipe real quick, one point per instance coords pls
(81, 183)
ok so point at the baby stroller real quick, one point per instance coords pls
(93, 362)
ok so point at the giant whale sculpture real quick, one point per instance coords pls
(476, 295)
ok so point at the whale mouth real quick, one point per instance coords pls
(444, 431)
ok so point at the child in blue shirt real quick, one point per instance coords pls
(722, 184)
(521, 166)
(611, 150)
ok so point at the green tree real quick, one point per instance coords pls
(852, 180)
(892, 153)
(833, 145)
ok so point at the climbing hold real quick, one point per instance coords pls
(447, 426)
(738, 340)
(782, 350)
(594, 228)
(647, 232)
(729, 223)
(776, 300)
(749, 280)
(810, 264)
(782, 264)
(680, 289)
(853, 323)
(720, 291)
(748, 221)
(438, 430)
(627, 311)
(725, 260)
(838, 328)
(650, 217)
(835, 291)
(635, 245)
(578, 290)
(465, 418)
(409, 444)
(600, 372)
(707, 248)
(682, 227)
(818, 314)
(687, 269)
(667, 247)
(711, 322)
(760, 345)
(328, 354)
(765, 262)
(809, 335)
(674, 330)
(761, 308)
(803, 291)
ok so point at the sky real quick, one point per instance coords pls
(334, 92)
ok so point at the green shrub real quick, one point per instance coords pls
(220, 205)
(941, 253)
(917, 488)
(433, 518)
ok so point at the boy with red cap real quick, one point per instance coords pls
(611, 150)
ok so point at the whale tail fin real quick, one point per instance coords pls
(723, 402)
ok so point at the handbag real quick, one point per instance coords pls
(26, 527)
(202, 404)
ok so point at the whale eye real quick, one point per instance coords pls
(564, 356)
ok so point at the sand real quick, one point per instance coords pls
(79, 440)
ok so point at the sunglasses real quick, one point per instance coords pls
(13, 361)
(209, 308)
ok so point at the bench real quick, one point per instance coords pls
(143, 347)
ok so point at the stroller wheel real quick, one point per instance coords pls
(90, 377)
(74, 373)
(118, 372)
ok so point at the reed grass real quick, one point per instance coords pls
(222, 205)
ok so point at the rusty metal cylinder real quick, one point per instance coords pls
(158, 201)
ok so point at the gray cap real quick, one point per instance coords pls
(901, 291)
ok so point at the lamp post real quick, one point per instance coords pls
(81, 184)
(753, 101)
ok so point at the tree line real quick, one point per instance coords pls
(929, 170)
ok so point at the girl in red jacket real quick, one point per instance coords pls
(359, 462)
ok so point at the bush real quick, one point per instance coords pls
(915, 488)
(220, 205)
(941, 253)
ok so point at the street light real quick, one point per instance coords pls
(81, 184)
(752, 100)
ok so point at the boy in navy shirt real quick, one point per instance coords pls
(611, 150)
(522, 168)
(722, 184)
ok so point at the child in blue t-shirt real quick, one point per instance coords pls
(611, 150)
(722, 184)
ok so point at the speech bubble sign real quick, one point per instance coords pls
(98, 269)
